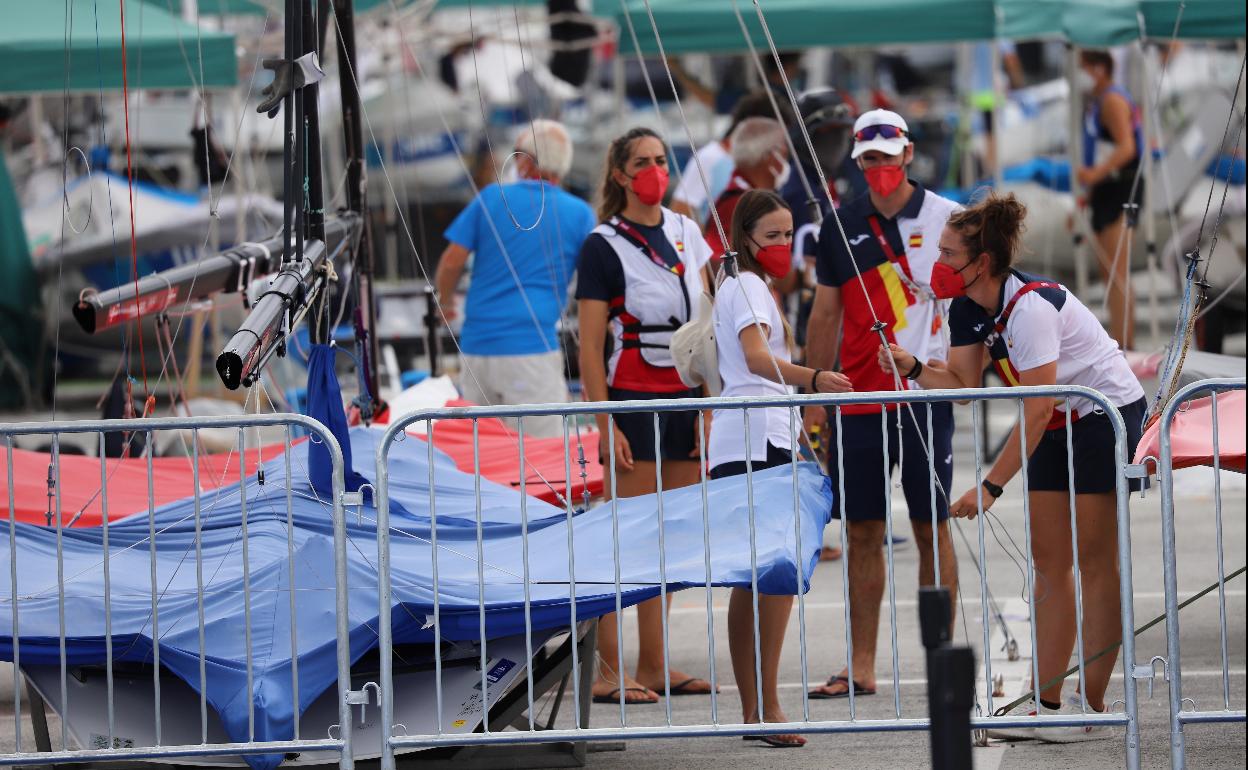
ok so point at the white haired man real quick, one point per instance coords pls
(760, 161)
(525, 237)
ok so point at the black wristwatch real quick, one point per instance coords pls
(992, 489)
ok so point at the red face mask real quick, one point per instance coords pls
(885, 179)
(948, 283)
(776, 259)
(650, 184)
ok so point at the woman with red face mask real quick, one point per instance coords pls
(1036, 332)
(640, 278)
(754, 342)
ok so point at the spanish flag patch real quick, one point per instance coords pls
(916, 240)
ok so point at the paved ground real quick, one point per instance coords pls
(1220, 746)
(1209, 746)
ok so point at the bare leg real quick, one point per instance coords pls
(650, 615)
(773, 619)
(1098, 570)
(866, 591)
(1054, 587)
(607, 680)
(948, 561)
(1115, 257)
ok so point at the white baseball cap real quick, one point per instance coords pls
(872, 140)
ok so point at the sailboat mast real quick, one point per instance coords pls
(357, 200)
(312, 202)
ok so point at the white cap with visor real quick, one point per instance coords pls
(882, 130)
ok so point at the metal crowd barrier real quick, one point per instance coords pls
(1174, 668)
(127, 689)
(397, 737)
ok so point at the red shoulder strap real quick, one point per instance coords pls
(1026, 288)
(878, 230)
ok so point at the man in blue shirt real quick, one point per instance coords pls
(525, 237)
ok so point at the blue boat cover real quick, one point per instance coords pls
(309, 558)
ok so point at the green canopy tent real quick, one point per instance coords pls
(689, 26)
(1104, 23)
(275, 7)
(1202, 19)
(34, 57)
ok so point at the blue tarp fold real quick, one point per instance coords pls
(311, 556)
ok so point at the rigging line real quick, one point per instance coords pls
(878, 325)
(134, 244)
(515, 275)
(316, 496)
(1217, 224)
(212, 205)
(1229, 288)
(775, 106)
(823, 179)
(1225, 132)
(730, 256)
(556, 271)
(645, 74)
(1140, 151)
(350, 71)
(221, 493)
(1169, 381)
(108, 186)
(472, 32)
(60, 264)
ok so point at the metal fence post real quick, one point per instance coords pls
(1174, 662)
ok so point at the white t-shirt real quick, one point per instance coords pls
(736, 303)
(1050, 324)
(717, 162)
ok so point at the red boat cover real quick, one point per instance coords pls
(173, 478)
(1191, 434)
(544, 457)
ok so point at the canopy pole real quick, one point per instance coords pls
(966, 158)
(998, 128)
(1074, 146)
(1149, 133)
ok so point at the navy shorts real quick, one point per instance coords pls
(677, 430)
(864, 452)
(1092, 438)
(775, 457)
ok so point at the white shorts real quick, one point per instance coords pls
(530, 379)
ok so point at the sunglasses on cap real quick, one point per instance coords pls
(879, 132)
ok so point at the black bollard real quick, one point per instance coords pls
(950, 683)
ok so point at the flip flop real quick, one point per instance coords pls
(775, 742)
(684, 689)
(778, 742)
(613, 698)
(859, 690)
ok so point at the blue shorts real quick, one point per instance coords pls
(1092, 438)
(864, 449)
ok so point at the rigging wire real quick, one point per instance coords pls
(149, 398)
(1176, 355)
(350, 71)
(1137, 178)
